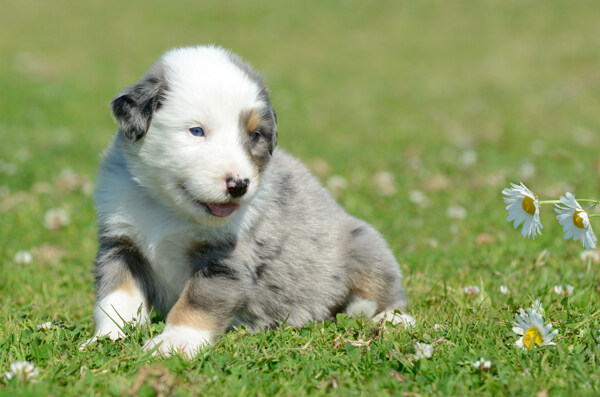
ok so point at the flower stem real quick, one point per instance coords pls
(589, 201)
(548, 201)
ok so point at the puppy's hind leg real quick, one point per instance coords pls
(375, 277)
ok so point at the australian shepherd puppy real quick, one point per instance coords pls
(202, 218)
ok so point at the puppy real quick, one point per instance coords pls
(202, 218)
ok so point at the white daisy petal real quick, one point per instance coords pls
(575, 221)
(523, 207)
(530, 324)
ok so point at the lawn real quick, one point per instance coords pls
(416, 114)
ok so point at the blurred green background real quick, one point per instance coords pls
(481, 93)
(454, 99)
(419, 106)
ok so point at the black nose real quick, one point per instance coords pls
(237, 187)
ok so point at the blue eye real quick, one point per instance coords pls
(197, 131)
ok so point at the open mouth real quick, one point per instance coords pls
(217, 209)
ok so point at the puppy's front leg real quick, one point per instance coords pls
(205, 308)
(120, 269)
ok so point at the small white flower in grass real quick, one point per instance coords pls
(575, 221)
(336, 184)
(482, 364)
(531, 326)
(418, 197)
(438, 327)
(385, 183)
(22, 370)
(456, 212)
(504, 289)
(423, 350)
(569, 289)
(526, 170)
(471, 290)
(46, 325)
(468, 158)
(590, 256)
(558, 289)
(523, 207)
(56, 218)
(23, 258)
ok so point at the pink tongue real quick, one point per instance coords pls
(222, 209)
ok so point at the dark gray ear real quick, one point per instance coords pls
(134, 106)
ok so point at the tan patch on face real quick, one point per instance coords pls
(185, 314)
(252, 121)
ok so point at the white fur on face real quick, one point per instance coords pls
(205, 89)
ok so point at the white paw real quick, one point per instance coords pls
(361, 307)
(110, 330)
(88, 343)
(113, 311)
(186, 341)
(395, 318)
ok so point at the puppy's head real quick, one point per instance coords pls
(198, 130)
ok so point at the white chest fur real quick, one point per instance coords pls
(164, 237)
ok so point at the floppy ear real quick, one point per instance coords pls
(134, 106)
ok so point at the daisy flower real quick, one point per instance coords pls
(575, 221)
(423, 350)
(523, 207)
(482, 364)
(537, 306)
(530, 324)
(22, 370)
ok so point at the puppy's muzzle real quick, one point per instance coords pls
(237, 187)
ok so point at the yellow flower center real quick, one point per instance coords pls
(528, 205)
(532, 336)
(578, 220)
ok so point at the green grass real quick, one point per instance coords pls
(398, 86)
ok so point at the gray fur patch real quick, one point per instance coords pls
(277, 273)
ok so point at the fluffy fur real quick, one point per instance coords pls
(215, 227)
